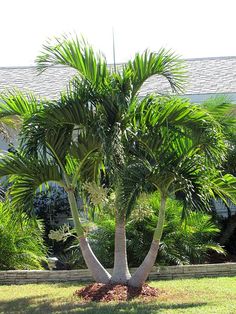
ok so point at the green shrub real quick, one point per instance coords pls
(21, 242)
(188, 241)
(51, 206)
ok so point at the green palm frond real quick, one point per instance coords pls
(75, 53)
(17, 103)
(27, 175)
(16, 108)
(224, 186)
(223, 110)
(60, 139)
(134, 179)
(37, 136)
(89, 161)
(172, 122)
(58, 122)
(74, 107)
(164, 63)
(183, 146)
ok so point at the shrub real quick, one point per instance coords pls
(51, 205)
(21, 242)
(185, 241)
(188, 241)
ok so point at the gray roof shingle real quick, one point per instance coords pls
(205, 76)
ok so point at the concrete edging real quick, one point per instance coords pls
(157, 273)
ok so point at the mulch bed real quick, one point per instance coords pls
(99, 292)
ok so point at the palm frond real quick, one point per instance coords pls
(164, 63)
(75, 53)
(222, 109)
(17, 103)
(27, 175)
(133, 180)
(172, 122)
(89, 160)
(224, 186)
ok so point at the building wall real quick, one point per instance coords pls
(222, 210)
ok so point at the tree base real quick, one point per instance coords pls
(99, 292)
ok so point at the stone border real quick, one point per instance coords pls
(158, 273)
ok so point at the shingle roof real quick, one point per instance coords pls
(205, 76)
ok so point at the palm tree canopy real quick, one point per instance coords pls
(224, 112)
(92, 66)
(177, 146)
(100, 120)
(97, 98)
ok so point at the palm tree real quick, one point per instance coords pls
(170, 157)
(98, 99)
(164, 154)
(99, 122)
(224, 112)
(29, 174)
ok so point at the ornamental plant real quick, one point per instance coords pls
(101, 130)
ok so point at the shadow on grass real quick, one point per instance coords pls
(42, 304)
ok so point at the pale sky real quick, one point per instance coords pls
(192, 28)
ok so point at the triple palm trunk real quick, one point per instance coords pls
(121, 272)
(141, 274)
(96, 269)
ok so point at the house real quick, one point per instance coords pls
(207, 77)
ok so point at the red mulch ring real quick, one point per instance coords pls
(99, 292)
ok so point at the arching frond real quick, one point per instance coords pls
(87, 151)
(164, 63)
(224, 187)
(181, 145)
(134, 179)
(17, 103)
(15, 108)
(162, 121)
(75, 53)
(222, 109)
(27, 175)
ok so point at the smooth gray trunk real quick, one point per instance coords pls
(99, 273)
(121, 272)
(96, 269)
(141, 274)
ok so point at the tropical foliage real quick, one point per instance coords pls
(184, 241)
(223, 110)
(100, 130)
(21, 241)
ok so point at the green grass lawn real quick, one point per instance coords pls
(210, 295)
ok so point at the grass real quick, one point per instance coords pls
(206, 295)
